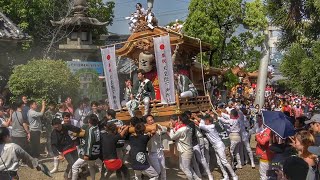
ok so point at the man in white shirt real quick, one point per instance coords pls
(230, 107)
(234, 135)
(183, 137)
(11, 154)
(198, 149)
(155, 149)
(206, 124)
(34, 119)
(244, 125)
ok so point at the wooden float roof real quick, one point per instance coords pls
(143, 41)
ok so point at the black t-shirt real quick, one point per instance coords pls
(61, 140)
(194, 133)
(109, 145)
(138, 152)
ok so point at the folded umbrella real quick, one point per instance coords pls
(45, 170)
(279, 123)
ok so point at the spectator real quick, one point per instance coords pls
(95, 110)
(69, 106)
(82, 111)
(314, 123)
(299, 123)
(25, 107)
(302, 141)
(20, 128)
(34, 119)
(294, 168)
(47, 120)
(4, 122)
(263, 151)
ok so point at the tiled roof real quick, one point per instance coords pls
(10, 31)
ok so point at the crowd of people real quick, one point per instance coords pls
(90, 136)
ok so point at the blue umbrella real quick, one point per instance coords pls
(279, 123)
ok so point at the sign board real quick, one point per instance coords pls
(75, 66)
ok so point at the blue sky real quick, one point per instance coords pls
(165, 10)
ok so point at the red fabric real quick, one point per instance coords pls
(69, 150)
(263, 149)
(178, 126)
(286, 109)
(157, 92)
(113, 164)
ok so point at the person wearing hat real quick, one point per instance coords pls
(314, 123)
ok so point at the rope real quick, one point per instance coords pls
(202, 70)
(130, 69)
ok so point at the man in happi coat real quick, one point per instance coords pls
(185, 86)
(143, 91)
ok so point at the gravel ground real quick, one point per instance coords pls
(173, 173)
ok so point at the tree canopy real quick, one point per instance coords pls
(234, 29)
(299, 21)
(302, 69)
(34, 16)
(43, 79)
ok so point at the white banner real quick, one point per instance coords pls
(111, 75)
(162, 51)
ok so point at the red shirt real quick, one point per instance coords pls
(263, 147)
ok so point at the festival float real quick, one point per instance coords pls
(140, 48)
(248, 79)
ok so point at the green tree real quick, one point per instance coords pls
(230, 80)
(43, 79)
(299, 21)
(301, 67)
(33, 17)
(219, 23)
(91, 87)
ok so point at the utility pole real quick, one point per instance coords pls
(263, 73)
